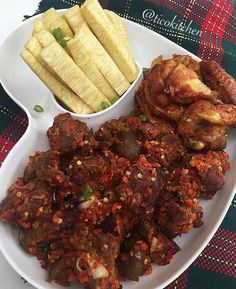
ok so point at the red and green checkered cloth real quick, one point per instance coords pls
(206, 28)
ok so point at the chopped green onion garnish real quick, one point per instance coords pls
(145, 72)
(87, 192)
(105, 105)
(132, 113)
(114, 99)
(143, 117)
(63, 42)
(57, 33)
(38, 108)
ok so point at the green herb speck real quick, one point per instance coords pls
(143, 117)
(38, 108)
(87, 192)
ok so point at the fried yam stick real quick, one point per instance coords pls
(70, 99)
(102, 59)
(84, 61)
(74, 18)
(104, 30)
(61, 63)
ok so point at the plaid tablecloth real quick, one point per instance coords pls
(206, 28)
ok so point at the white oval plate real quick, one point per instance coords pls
(26, 90)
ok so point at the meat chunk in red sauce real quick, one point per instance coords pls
(96, 264)
(134, 260)
(141, 184)
(162, 249)
(24, 203)
(97, 209)
(67, 135)
(160, 141)
(44, 167)
(208, 169)
(175, 217)
(106, 171)
(121, 136)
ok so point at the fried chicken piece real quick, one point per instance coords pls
(190, 63)
(208, 171)
(156, 97)
(205, 125)
(172, 84)
(67, 135)
(218, 79)
(185, 87)
(155, 114)
(143, 105)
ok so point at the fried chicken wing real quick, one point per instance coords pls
(171, 85)
(158, 100)
(185, 87)
(205, 125)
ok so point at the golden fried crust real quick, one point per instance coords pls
(218, 79)
(159, 102)
(189, 62)
(204, 125)
(185, 86)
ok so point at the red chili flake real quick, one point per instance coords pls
(115, 283)
(148, 271)
(32, 250)
(72, 278)
(97, 231)
(169, 255)
(133, 202)
(25, 225)
(83, 277)
(54, 163)
(59, 179)
(129, 192)
(189, 203)
(162, 209)
(56, 219)
(119, 226)
(114, 208)
(123, 257)
(96, 264)
(125, 179)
